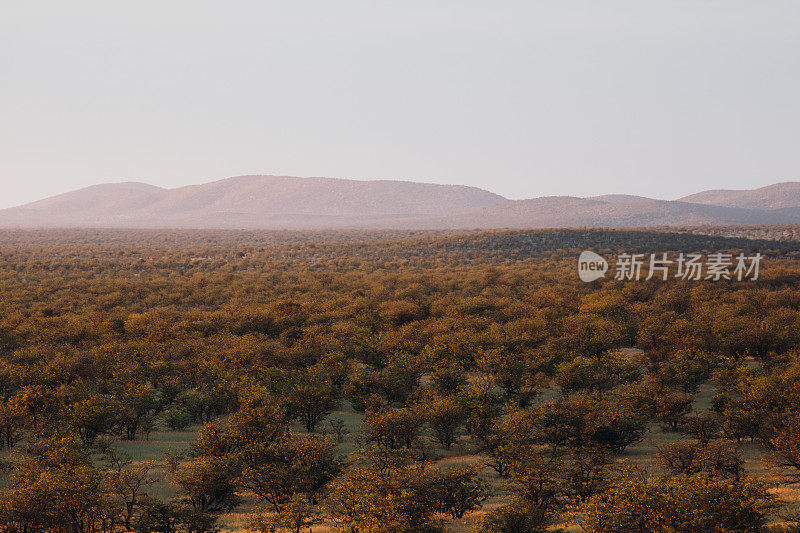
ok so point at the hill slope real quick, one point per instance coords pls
(564, 212)
(778, 196)
(248, 202)
(281, 202)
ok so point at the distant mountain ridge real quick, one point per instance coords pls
(283, 202)
(778, 196)
(571, 212)
(247, 202)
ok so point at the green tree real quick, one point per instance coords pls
(445, 415)
(457, 491)
(384, 491)
(516, 517)
(784, 457)
(55, 488)
(394, 427)
(311, 399)
(137, 402)
(679, 504)
(94, 416)
(292, 466)
(208, 483)
(297, 514)
(127, 482)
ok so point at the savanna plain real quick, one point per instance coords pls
(395, 382)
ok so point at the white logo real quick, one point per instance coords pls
(591, 266)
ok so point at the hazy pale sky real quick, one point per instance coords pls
(525, 98)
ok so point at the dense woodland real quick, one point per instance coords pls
(393, 382)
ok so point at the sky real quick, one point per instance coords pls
(524, 98)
